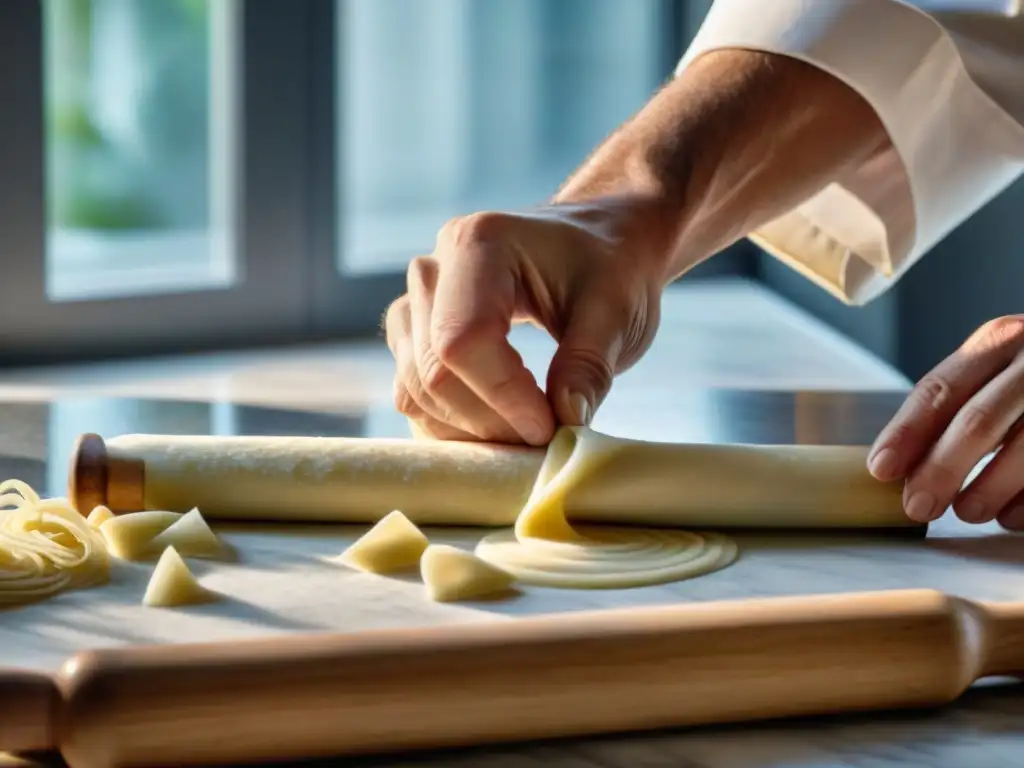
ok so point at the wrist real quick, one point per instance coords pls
(736, 140)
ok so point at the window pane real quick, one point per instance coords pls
(140, 111)
(451, 106)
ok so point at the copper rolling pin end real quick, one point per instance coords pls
(28, 710)
(558, 675)
(96, 479)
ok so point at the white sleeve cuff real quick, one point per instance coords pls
(954, 147)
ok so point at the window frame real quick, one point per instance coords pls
(288, 287)
(343, 305)
(268, 302)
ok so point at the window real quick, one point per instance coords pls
(140, 113)
(192, 173)
(451, 106)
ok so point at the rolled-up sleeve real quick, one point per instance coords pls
(945, 78)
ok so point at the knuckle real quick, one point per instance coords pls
(454, 341)
(997, 333)
(932, 393)
(595, 368)
(481, 227)
(421, 274)
(404, 401)
(435, 376)
(977, 421)
(940, 476)
(1005, 330)
(900, 433)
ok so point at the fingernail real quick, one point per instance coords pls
(579, 408)
(533, 432)
(971, 511)
(883, 464)
(921, 507)
(1013, 520)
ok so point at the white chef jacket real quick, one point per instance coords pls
(946, 78)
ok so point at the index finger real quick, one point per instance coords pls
(931, 406)
(474, 303)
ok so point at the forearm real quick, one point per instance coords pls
(737, 139)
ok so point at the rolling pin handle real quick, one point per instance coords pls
(88, 475)
(1003, 640)
(97, 478)
(28, 709)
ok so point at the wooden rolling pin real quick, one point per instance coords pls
(359, 480)
(28, 709)
(559, 675)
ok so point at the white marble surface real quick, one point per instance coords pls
(727, 335)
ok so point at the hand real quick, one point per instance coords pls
(579, 271)
(970, 405)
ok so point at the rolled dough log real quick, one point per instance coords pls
(360, 480)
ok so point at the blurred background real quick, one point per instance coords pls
(186, 174)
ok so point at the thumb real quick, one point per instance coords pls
(584, 366)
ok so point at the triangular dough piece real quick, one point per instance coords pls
(393, 544)
(173, 584)
(453, 574)
(99, 516)
(191, 536)
(129, 537)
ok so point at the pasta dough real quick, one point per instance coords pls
(130, 537)
(545, 549)
(46, 547)
(99, 516)
(393, 544)
(190, 536)
(328, 479)
(452, 574)
(609, 558)
(173, 584)
(359, 480)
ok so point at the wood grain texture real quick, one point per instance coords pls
(543, 677)
(28, 706)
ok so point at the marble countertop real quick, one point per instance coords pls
(731, 363)
(985, 728)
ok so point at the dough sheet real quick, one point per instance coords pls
(447, 483)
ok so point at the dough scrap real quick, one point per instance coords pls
(545, 549)
(130, 537)
(393, 544)
(173, 584)
(99, 516)
(46, 547)
(190, 536)
(452, 574)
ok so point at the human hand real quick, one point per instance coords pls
(968, 406)
(591, 274)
